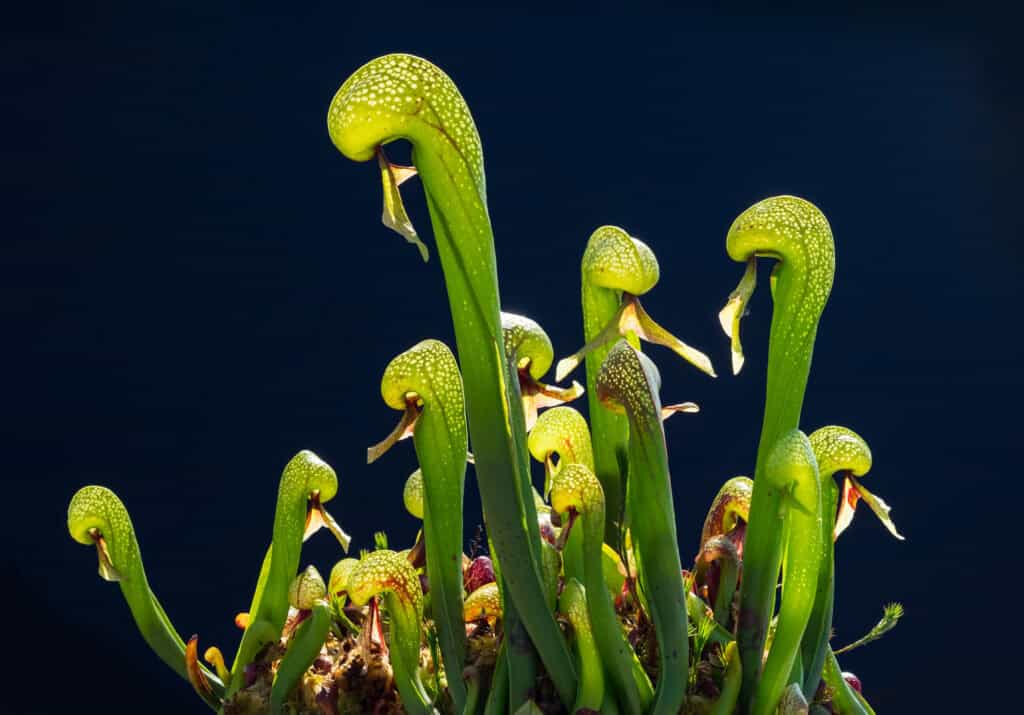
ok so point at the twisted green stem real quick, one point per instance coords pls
(96, 517)
(794, 231)
(390, 575)
(576, 489)
(425, 383)
(306, 484)
(629, 381)
(616, 268)
(792, 473)
(401, 96)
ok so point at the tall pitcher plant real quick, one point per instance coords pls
(582, 603)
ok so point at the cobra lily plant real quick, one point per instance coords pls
(582, 603)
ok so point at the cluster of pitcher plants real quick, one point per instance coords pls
(581, 602)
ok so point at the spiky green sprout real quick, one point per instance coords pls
(610, 495)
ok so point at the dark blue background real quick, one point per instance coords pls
(196, 285)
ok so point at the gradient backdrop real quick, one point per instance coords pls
(198, 286)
